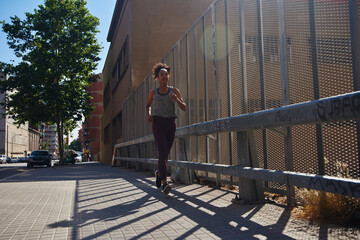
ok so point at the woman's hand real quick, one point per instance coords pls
(176, 96)
(149, 118)
(173, 97)
(148, 106)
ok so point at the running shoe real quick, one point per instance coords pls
(166, 189)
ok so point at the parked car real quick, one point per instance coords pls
(39, 157)
(15, 159)
(23, 159)
(78, 158)
(2, 158)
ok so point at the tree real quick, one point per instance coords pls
(75, 145)
(58, 51)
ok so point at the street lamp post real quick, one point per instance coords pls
(12, 142)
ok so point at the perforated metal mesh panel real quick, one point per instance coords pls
(234, 68)
(333, 48)
(236, 88)
(148, 86)
(340, 148)
(222, 78)
(183, 81)
(335, 77)
(210, 73)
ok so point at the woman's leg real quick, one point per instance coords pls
(161, 145)
(170, 135)
(164, 133)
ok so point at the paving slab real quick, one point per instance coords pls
(96, 201)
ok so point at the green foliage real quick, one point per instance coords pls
(75, 145)
(44, 146)
(58, 51)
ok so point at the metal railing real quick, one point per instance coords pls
(339, 108)
(259, 79)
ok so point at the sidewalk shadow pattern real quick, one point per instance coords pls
(116, 203)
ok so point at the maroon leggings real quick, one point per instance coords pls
(164, 133)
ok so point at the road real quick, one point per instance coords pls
(8, 169)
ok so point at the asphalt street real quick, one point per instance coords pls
(9, 169)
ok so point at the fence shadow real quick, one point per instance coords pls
(138, 193)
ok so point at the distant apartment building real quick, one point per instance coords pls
(89, 135)
(141, 33)
(50, 139)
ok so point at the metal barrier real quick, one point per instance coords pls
(252, 74)
(338, 108)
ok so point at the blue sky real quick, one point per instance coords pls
(102, 9)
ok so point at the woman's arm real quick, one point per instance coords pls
(148, 106)
(176, 96)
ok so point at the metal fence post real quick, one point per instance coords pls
(228, 73)
(355, 55)
(262, 77)
(289, 166)
(138, 165)
(249, 190)
(213, 24)
(127, 149)
(315, 75)
(186, 175)
(206, 87)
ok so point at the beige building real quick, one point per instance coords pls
(16, 141)
(141, 33)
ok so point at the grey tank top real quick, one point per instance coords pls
(162, 105)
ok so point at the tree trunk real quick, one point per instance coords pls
(59, 129)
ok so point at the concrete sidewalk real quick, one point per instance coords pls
(95, 201)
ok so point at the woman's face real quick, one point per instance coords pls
(163, 76)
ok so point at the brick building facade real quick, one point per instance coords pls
(89, 135)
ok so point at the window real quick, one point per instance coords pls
(271, 49)
(250, 48)
(39, 153)
(106, 96)
(334, 50)
(121, 63)
(107, 134)
(201, 109)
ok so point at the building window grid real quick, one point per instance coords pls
(334, 50)
(271, 49)
(107, 134)
(106, 96)
(122, 62)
